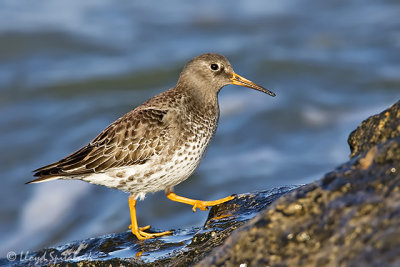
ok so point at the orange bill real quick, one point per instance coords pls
(239, 80)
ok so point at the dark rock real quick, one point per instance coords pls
(349, 218)
(182, 248)
(374, 130)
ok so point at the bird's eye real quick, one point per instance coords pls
(214, 66)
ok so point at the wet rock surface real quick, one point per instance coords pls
(351, 217)
(183, 248)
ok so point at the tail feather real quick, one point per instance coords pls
(68, 166)
(42, 179)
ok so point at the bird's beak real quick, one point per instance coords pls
(239, 80)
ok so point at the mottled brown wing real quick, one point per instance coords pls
(130, 140)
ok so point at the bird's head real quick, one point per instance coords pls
(210, 72)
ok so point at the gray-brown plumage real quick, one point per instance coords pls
(160, 143)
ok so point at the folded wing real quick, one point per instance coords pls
(132, 139)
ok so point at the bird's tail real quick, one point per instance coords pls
(63, 168)
(42, 179)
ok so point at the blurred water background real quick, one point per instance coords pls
(69, 68)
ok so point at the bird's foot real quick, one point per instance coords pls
(203, 205)
(198, 204)
(142, 235)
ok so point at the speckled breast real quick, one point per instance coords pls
(186, 151)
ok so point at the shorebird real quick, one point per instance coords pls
(158, 144)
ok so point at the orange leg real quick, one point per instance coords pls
(203, 205)
(139, 232)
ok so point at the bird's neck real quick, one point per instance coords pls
(200, 99)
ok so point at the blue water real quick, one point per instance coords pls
(68, 69)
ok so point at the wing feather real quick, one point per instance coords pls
(132, 139)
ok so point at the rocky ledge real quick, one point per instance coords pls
(351, 217)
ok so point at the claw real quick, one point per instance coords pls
(142, 235)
